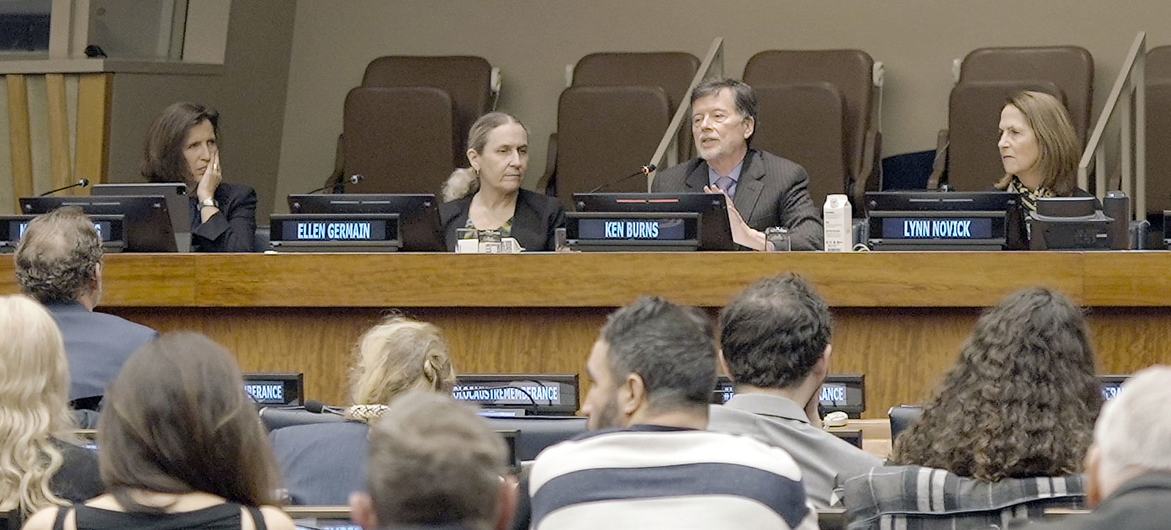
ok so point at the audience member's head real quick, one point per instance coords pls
(1133, 434)
(653, 358)
(59, 259)
(393, 357)
(34, 406)
(776, 334)
(1021, 400)
(1038, 143)
(433, 461)
(177, 420)
(165, 154)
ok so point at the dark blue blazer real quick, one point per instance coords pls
(97, 346)
(231, 230)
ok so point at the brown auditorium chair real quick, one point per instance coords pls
(851, 73)
(1070, 69)
(1158, 80)
(972, 156)
(806, 124)
(467, 80)
(400, 139)
(606, 133)
(670, 71)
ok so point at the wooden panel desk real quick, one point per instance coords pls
(900, 318)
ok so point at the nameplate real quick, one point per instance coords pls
(844, 393)
(541, 393)
(633, 230)
(946, 228)
(266, 392)
(327, 232)
(275, 388)
(110, 229)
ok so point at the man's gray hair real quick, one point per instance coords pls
(434, 461)
(1134, 428)
(57, 259)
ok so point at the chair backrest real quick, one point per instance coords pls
(1071, 68)
(902, 417)
(1158, 79)
(467, 81)
(535, 433)
(377, 144)
(849, 71)
(806, 124)
(973, 158)
(606, 133)
(671, 71)
(275, 418)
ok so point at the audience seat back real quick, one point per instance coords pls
(806, 124)
(466, 80)
(902, 417)
(606, 133)
(1158, 80)
(535, 433)
(276, 418)
(851, 73)
(400, 139)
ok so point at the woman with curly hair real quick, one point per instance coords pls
(39, 464)
(324, 462)
(1021, 401)
(1003, 437)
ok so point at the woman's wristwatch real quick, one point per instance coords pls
(208, 203)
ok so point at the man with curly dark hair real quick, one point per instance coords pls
(775, 340)
(59, 263)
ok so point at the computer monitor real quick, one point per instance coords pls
(933, 220)
(147, 220)
(178, 204)
(520, 394)
(275, 388)
(714, 231)
(419, 226)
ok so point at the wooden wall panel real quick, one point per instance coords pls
(94, 95)
(61, 159)
(19, 137)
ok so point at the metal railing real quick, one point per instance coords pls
(1128, 98)
(668, 150)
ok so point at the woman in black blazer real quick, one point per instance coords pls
(181, 147)
(491, 198)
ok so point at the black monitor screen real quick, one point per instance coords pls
(714, 232)
(419, 224)
(147, 221)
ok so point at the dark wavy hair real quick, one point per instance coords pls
(162, 157)
(1021, 401)
(774, 332)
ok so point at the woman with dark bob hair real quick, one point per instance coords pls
(179, 446)
(1022, 400)
(182, 146)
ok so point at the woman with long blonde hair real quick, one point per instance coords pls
(324, 462)
(39, 464)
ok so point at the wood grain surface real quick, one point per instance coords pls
(900, 318)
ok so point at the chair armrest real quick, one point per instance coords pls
(869, 174)
(939, 166)
(339, 167)
(547, 184)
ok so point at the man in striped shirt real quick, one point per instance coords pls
(649, 462)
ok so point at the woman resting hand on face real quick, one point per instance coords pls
(498, 150)
(181, 146)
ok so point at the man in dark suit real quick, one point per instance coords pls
(766, 190)
(1128, 467)
(59, 263)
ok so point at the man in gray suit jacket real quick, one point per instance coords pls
(59, 263)
(766, 190)
(775, 339)
(1128, 467)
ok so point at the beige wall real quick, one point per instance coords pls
(533, 40)
(249, 93)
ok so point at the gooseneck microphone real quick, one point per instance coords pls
(81, 183)
(644, 171)
(334, 183)
(318, 407)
